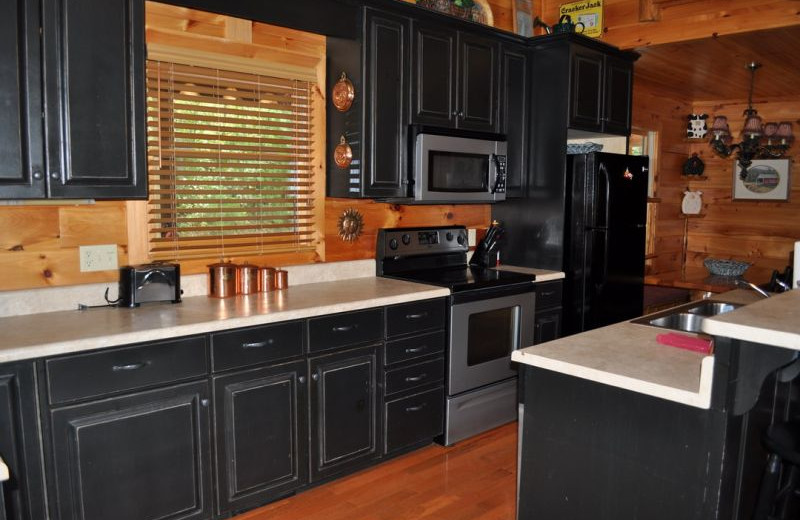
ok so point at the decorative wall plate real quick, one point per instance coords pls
(350, 225)
(342, 154)
(343, 94)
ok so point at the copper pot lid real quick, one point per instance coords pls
(343, 94)
(343, 154)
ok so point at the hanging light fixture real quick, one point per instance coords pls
(767, 141)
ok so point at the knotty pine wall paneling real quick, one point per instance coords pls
(753, 231)
(627, 25)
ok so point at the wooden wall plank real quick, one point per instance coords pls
(28, 229)
(85, 225)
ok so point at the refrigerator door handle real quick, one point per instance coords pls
(604, 172)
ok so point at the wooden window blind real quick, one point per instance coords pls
(230, 162)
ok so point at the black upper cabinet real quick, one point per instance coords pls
(515, 115)
(20, 444)
(601, 87)
(344, 410)
(386, 54)
(73, 121)
(455, 79)
(143, 455)
(261, 434)
(433, 91)
(21, 145)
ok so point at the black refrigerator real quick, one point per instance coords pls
(604, 239)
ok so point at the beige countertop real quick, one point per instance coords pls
(771, 321)
(626, 355)
(38, 335)
(542, 275)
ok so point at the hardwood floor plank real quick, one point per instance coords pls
(474, 480)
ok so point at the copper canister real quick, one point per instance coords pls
(281, 279)
(247, 279)
(222, 280)
(266, 279)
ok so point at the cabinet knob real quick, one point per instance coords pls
(204, 403)
(302, 380)
(54, 175)
(458, 113)
(37, 175)
(315, 377)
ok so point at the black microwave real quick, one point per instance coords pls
(459, 168)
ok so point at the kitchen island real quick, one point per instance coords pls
(616, 425)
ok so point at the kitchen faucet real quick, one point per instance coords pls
(741, 282)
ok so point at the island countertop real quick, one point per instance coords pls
(46, 334)
(771, 321)
(626, 355)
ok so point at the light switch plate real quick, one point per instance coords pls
(472, 236)
(98, 258)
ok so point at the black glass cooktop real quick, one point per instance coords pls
(465, 278)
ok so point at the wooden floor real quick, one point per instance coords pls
(473, 480)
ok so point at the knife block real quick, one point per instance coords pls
(482, 257)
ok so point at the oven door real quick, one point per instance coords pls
(485, 327)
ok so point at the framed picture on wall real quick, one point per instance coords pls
(523, 17)
(766, 179)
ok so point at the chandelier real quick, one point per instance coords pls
(759, 141)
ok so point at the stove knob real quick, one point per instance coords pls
(393, 244)
(406, 239)
(449, 236)
(461, 239)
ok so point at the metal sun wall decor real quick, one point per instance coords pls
(350, 225)
(759, 141)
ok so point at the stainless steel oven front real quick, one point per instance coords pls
(485, 327)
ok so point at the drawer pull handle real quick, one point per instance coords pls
(416, 316)
(345, 328)
(417, 408)
(415, 379)
(129, 367)
(258, 344)
(547, 293)
(416, 349)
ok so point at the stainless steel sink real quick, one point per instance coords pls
(688, 317)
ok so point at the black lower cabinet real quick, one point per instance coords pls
(260, 434)
(344, 410)
(22, 496)
(135, 457)
(414, 419)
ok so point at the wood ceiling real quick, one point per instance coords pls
(714, 69)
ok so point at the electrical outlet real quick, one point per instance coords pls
(472, 236)
(98, 258)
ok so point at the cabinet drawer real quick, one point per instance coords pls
(98, 373)
(421, 374)
(548, 294)
(254, 345)
(345, 329)
(414, 419)
(415, 317)
(411, 348)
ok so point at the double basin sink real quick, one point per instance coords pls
(688, 317)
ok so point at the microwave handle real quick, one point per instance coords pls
(499, 175)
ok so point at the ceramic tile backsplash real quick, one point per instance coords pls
(32, 301)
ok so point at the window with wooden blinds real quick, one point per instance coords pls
(230, 160)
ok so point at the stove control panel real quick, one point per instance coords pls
(403, 242)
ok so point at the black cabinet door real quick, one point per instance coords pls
(547, 326)
(478, 71)
(515, 116)
(386, 47)
(20, 444)
(94, 92)
(344, 410)
(260, 434)
(21, 139)
(618, 96)
(586, 90)
(139, 456)
(433, 89)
